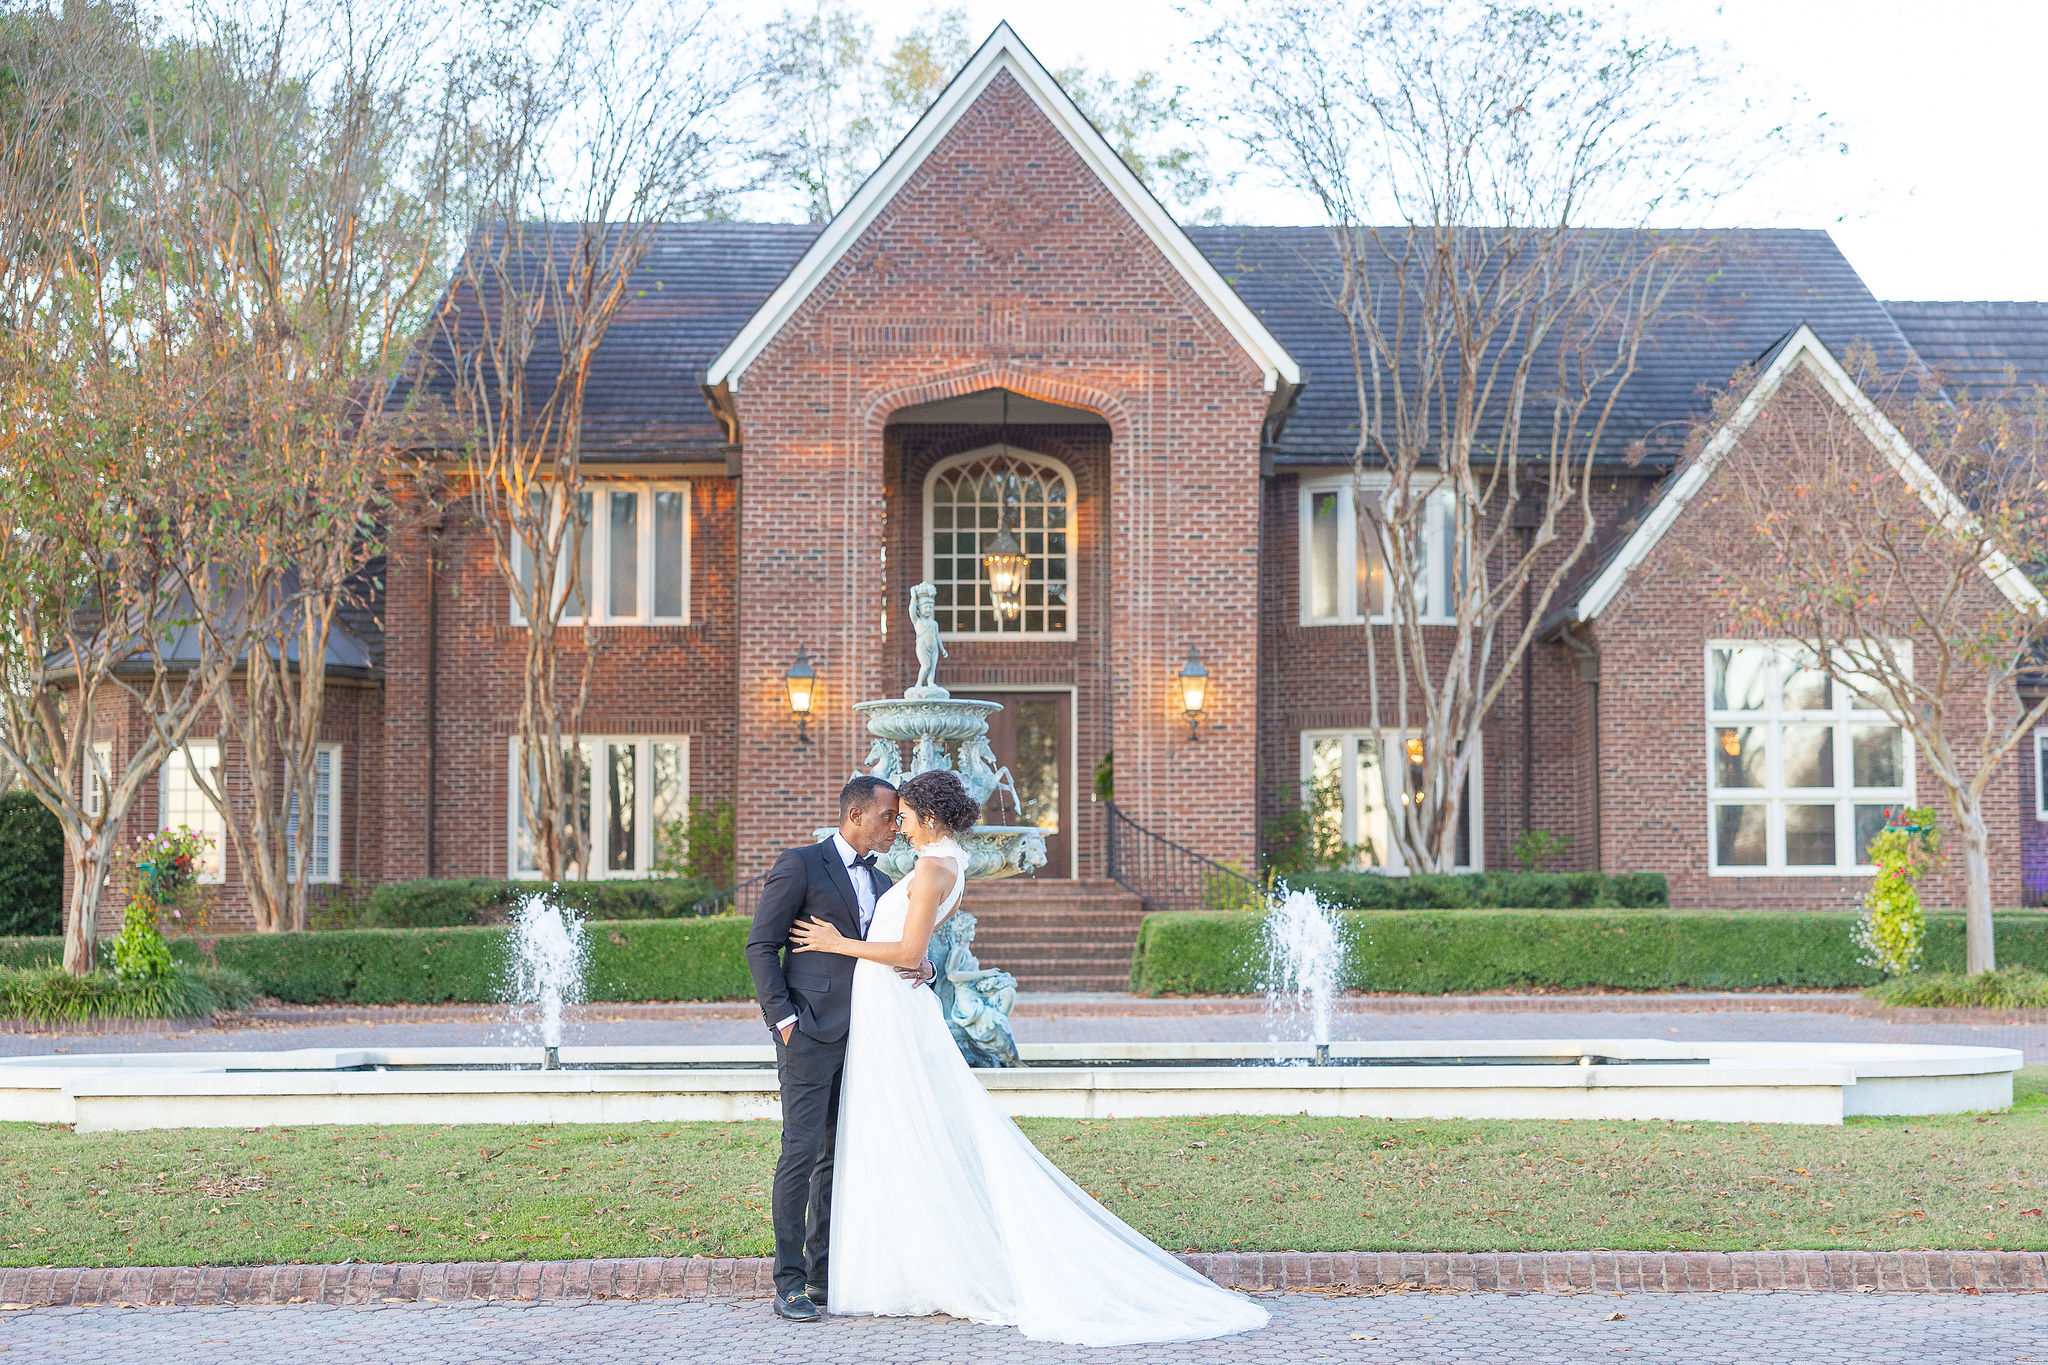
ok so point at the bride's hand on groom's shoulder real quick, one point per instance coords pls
(815, 936)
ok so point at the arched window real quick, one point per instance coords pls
(968, 499)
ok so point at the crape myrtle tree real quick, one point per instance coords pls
(116, 485)
(301, 226)
(1490, 177)
(584, 126)
(1898, 542)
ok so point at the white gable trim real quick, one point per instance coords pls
(1004, 52)
(1802, 348)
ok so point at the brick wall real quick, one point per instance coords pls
(1316, 678)
(352, 716)
(645, 680)
(1004, 262)
(1652, 717)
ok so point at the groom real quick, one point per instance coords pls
(804, 1000)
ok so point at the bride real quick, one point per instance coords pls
(940, 1203)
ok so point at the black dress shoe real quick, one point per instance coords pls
(815, 1293)
(797, 1308)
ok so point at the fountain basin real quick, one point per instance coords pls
(937, 717)
(1585, 1079)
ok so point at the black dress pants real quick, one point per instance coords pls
(801, 1202)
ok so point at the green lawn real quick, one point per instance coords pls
(501, 1193)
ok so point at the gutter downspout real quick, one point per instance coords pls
(433, 681)
(1589, 673)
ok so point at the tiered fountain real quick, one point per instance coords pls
(951, 733)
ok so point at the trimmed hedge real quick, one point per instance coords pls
(31, 867)
(1441, 953)
(1486, 890)
(448, 902)
(692, 959)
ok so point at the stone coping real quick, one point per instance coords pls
(1098, 1005)
(1348, 1272)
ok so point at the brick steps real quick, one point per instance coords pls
(1057, 935)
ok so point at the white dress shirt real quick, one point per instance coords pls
(863, 892)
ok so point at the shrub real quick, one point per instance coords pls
(700, 845)
(1437, 952)
(31, 867)
(2008, 988)
(1485, 890)
(49, 994)
(676, 959)
(450, 902)
(1537, 849)
(1893, 927)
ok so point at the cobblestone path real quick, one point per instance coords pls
(1749, 1328)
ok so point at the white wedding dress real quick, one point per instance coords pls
(941, 1205)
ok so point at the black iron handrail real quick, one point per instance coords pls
(2034, 888)
(1166, 876)
(741, 899)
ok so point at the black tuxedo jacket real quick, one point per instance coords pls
(806, 883)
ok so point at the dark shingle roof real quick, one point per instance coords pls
(701, 282)
(695, 288)
(1742, 295)
(1971, 345)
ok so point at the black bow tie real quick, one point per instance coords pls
(866, 860)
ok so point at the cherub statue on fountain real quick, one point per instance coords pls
(976, 999)
(924, 625)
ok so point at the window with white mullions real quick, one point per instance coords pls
(630, 547)
(969, 500)
(1344, 572)
(323, 863)
(182, 802)
(2041, 773)
(1351, 762)
(1801, 770)
(630, 793)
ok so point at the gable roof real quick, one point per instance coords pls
(1004, 52)
(1972, 345)
(1802, 348)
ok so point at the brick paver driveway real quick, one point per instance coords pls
(1734, 1327)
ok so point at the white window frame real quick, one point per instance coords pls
(1440, 609)
(643, 802)
(1073, 556)
(2041, 772)
(99, 772)
(600, 536)
(1395, 741)
(211, 822)
(1774, 795)
(333, 822)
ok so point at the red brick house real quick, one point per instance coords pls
(790, 425)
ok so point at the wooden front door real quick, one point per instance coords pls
(1032, 737)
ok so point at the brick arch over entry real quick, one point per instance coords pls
(1082, 309)
(981, 379)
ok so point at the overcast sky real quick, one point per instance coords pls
(1935, 188)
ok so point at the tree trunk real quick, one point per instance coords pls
(90, 862)
(1979, 954)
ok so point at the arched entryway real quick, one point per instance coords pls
(961, 471)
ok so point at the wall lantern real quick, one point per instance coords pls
(799, 682)
(1005, 562)
(1194, 692)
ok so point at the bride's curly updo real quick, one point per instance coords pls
(938, 796)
